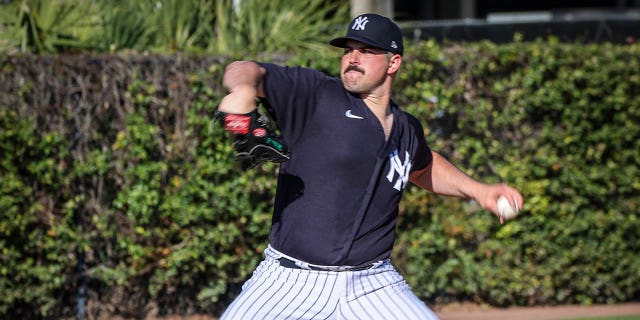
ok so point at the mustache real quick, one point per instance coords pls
(353, 67)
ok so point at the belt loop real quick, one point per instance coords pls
(302, 264)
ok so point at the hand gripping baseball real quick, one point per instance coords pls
(255, 141)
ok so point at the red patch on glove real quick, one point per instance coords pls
(259, 132)
(236, 123)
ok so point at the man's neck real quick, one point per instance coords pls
(382, 109)
(378, 104)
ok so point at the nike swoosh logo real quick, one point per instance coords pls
(352, 116)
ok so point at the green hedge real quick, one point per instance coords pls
(116, 181)
(559, 121)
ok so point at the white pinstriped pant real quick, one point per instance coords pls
(276, 292)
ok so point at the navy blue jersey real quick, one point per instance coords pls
(337, 197)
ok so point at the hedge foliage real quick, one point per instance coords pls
(117, 183)
(559, 121)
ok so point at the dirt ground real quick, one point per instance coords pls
(467, 312)
(476, 312)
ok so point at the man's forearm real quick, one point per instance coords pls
(443, 178)
(243, 80)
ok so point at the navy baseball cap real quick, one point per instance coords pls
(375, 30)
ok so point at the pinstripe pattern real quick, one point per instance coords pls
(275, 292)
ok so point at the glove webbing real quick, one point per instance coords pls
(254, 140)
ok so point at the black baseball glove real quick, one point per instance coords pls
(255, 140)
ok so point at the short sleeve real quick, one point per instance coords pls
(422, 152)
(290, 92)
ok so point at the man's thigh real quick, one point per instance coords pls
(391, 301)
(275, 292)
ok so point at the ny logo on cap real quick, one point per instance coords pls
(359, 23)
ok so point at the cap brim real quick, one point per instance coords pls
(341, 42)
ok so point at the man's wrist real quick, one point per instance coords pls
(241, 100)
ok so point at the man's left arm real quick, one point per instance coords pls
(443, 178)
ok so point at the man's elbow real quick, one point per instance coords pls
(241, 67)
(243, 73)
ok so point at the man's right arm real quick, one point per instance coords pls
(443, 178)
(244, 82)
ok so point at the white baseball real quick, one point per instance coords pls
(506, 210)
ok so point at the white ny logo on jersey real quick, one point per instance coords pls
(403, 170)
(359, 23)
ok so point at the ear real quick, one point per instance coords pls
(394, 64)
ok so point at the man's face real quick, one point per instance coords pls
(363, 67)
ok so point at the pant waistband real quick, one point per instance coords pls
(292, 263)
(288, 263)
